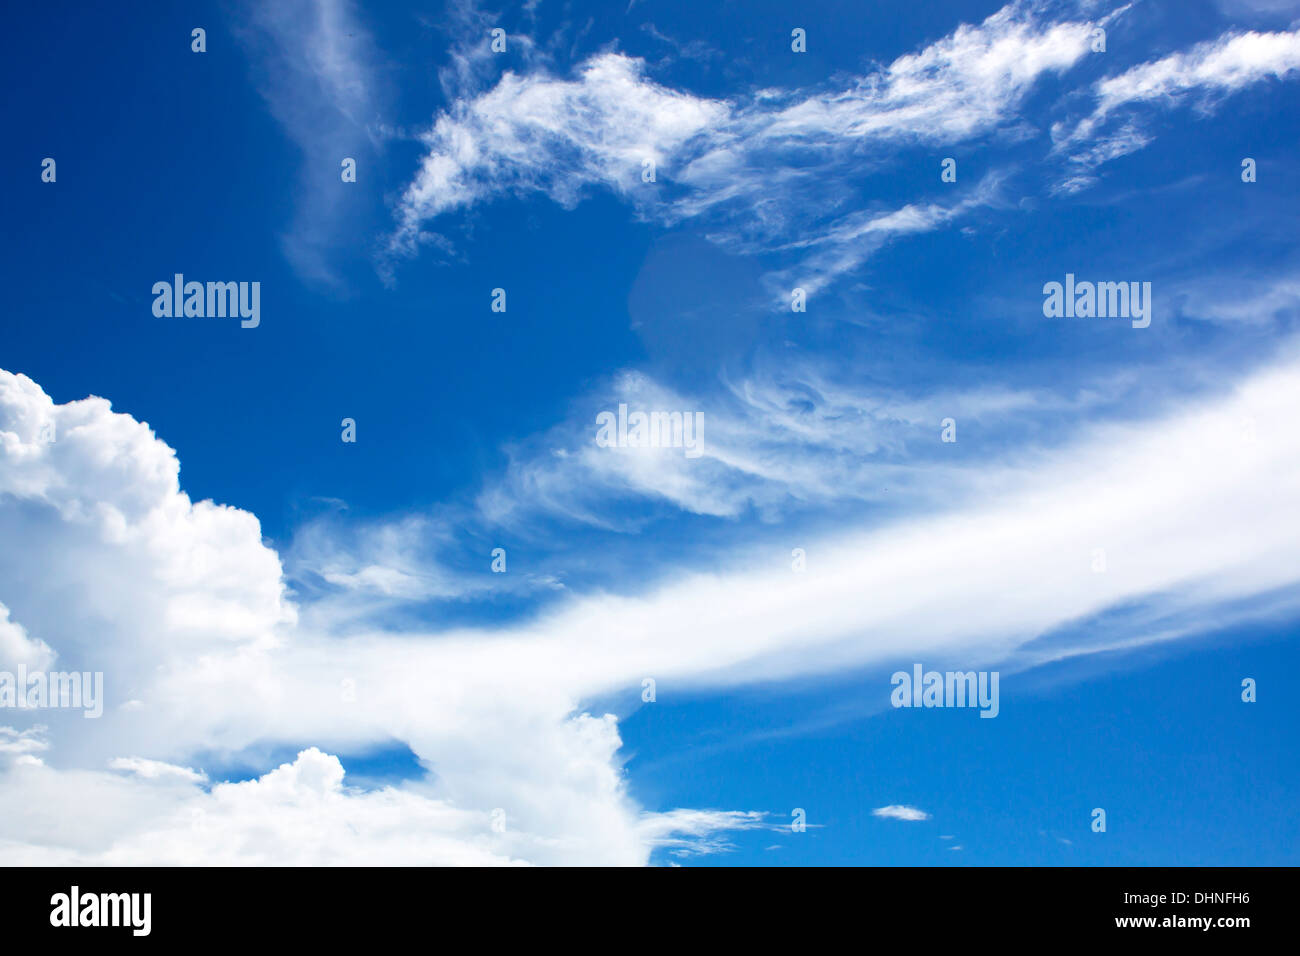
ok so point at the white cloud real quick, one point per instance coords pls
(1257, 7)
(727, 162)
(728, 159)
(18, 649)
(183, 607)
(156, 769)
(897, 811)
(299, 814)
(550, 135)
(958, 87)
(779, 440)
(1204, 75)
(471, 60)
(695, 832)
(1231, 299)
(23, 742)
(313, 61)
(172, 580)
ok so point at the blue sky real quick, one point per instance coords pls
(224, 633)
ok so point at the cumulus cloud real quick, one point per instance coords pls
(18, 649)
(299, 814)
(183, 608)
(23, 742)
(171, 578)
